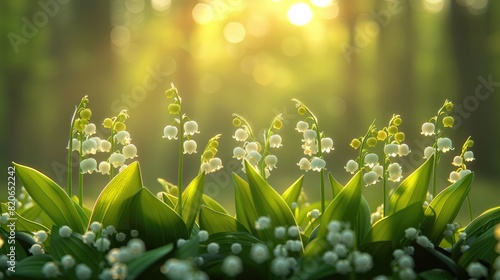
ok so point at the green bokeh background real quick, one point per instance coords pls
(354, 62)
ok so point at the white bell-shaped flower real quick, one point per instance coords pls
(403, 150)
(326, 144)
(104, 146)
(395, 172)
(304, 164)
(271, 161)
(215, 164)
(206, 167)
(239, 153)
(123, 137)
(240, 135)
(254, 157)
(75, 144)
(371, 159)
(454, 176)
(88, 165)
(428, 152)
(190, 146)
(469, 156)
(428, 129)
(309, 136)
(351, 166)
(89, 129)
(129, 151)
(464, 173)
(317, 164)
(252, 146)
(457, 161)
(444, 144)
(190, 128)
(379, 169)
(89, 146)
(170, 132)
(302, 126)
(370, 178)
(117, 159)
(275, 141)
(391, 150)
(104, 167)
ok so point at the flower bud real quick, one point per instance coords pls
(86, 114)
(107, 123)
(236, 122)
(355, 143)
(397, 121)
(301, 110)
(399, 137)
(122, 116)
(448, 121)
(381, 135)
(170, 93)
(174, 109)
(371, 142)
(392, 129)
(120, 126)
(277, 124)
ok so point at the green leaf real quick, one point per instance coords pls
(446, 206)
(191, 200)
(413, 188)
(436, 274)
(157, 223)
(482, 224)
(293, 192)
(213, 221)
(213, 204)
(113, 204)
(22, 223)
(36, 214)
(31, 268)
(267, 201)
(364, 224)
(246, 213)
(74, 246)
(483, 248)
(167, 199)
(336, 186)
(392, 228)
(147, 260)
(344, 207)
(23, 241)
(50, 197)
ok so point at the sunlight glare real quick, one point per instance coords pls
(434, 6)
(203, 13)
(321, 3)
(234, 32)
(161, 5)
(300, 14)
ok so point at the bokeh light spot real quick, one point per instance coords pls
(161, 5)
(135, 6)
(291, 46)
(120, 36)
(203, 13)
(434, 6)
(300, 14)
(330, 12)
(234, 32)
(321, 3)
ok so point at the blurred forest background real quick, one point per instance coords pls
(350, 61)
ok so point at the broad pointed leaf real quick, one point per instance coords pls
(293, 192)
(446, 206)
(213, 204)
(51, 198)
(191, 200)
(213, 221)
(113, 204)
(24, 224)
(413, 188)
(145, 261)
(246, 212)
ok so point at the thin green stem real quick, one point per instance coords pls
(112, 138)
(80, 174)
(434, 175)
(69, 186)
(322, 182)
(181, 162)
(384, 177)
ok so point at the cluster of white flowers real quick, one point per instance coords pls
(459, 161)
(377, 215)
(343, 256)
(422, 240)
(403, 263)
(190, 128)
(176, 269)
(310, 146)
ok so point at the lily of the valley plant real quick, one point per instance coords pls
(182, 233)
